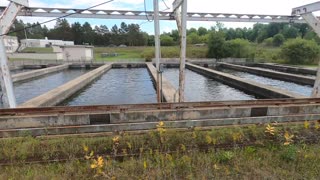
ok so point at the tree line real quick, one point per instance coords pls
(127, 34)
(273, 34)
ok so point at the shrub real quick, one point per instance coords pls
(216, 42)
(268, 42)
(166, 40)
(237, 48)
(300, 51)
(278, 40)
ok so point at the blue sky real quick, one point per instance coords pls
(279, 7)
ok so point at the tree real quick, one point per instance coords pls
(77, 32)
(215, 45)
(61, 31)
(202, 31)
(166, 40)
(192, 30)
(290, 32)
(300, 51)
(88, 33)
(278, 40)
(193, 38)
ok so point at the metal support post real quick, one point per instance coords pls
(181, 18)
(306, 12)
(8, 98)
(157, 46)
(6, 20)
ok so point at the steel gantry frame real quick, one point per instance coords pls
(306, 12)
(180, 14)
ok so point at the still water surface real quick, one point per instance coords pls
(201, 88)
(117, 86)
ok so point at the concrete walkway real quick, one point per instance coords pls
(288, 69)
(169, 93)
(250, 87)
(304, 80)
(61, 93)
(37, 73)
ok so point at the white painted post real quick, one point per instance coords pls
(9, 100)
(6, 20)
(183, 50)
(306, 12)
(157, 46)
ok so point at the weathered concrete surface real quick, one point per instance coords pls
(118, 116)
(168, 91)
(129, 65)
(271, 74)
(153, 125)
(36, 73)
(44, 121)
(287, 69)
(63, 92)
(250, 87)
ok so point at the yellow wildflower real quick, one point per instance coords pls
(89, 156)
(288, 138)
(236, 137)
(270, 130)
(145, 164)
(85, 148)
(208, 139)
(306, 124)
(183, 147)
(116, 139)
(160, 127)
(97, 164)
(316, 126)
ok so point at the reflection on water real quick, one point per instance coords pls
(201, 88)
(289, 86)
(118, 86)
(274, 70)
(27, 90)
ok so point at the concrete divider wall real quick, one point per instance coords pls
(271, 74)
(186, 124)
(40, 56)
(138, 116)
(36, 73)
(169, 93)
(66, 90)
(288, 69)
(250, 87)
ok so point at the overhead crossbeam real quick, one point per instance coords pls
(309, 8)
(141, 15)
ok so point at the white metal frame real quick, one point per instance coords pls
(6, 20)
(180, 13)
(306, 12)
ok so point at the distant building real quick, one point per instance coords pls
(11, 43)
(76, 53)
(44, 43)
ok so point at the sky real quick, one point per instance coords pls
(270, 7)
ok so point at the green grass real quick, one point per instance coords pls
(143, 53)
(37, 50)
(194, 154)
(128, 53)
